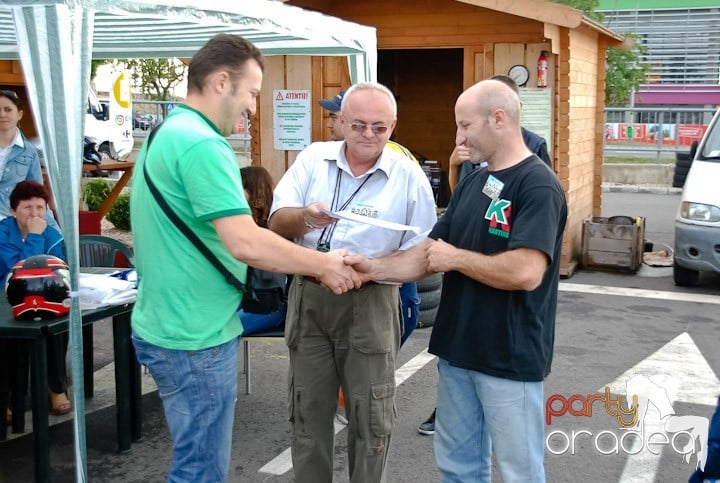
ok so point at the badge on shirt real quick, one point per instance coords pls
(493, 187)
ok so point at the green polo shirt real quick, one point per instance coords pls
(183, 302)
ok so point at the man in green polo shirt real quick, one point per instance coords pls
(185, 326)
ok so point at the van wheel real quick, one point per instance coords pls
(684, 277)
(104, 155)
(106, 152)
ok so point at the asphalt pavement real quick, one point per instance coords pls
(659, 210)
(610, 327)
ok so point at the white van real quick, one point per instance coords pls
(98, 125)
(697, 224)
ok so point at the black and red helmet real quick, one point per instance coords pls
(38, 287)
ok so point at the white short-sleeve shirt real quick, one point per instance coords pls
(5, 152)
(395, 189)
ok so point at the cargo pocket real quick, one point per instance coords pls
(376, 319)
(382, 408)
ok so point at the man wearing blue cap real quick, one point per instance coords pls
(333, 105)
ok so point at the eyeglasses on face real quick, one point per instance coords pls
(375, 128)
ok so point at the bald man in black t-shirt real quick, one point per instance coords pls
(499, 245)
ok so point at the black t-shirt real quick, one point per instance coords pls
(502, 333)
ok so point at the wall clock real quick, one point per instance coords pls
(520, 74)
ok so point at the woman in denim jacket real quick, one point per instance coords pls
(19, 160)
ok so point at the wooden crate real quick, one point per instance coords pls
(611, 245)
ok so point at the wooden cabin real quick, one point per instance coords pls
(429, 51)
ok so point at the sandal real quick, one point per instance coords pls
(59, 404)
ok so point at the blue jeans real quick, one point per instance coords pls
(411, 309)
(198, 390)
(475, 410)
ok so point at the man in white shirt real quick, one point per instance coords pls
(348, 340)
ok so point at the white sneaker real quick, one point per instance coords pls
(428, 427)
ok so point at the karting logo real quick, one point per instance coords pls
(498, 213)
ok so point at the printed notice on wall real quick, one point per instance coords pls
(291, 119)
(536, 114)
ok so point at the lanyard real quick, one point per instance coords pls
(327, 233)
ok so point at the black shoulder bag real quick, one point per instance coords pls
(264, 291)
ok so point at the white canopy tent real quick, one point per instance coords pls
(55, 40)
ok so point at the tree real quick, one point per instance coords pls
(156, 78)
(624, 72)
(587, 7)
(94, 64)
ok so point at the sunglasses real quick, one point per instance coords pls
(375, 128)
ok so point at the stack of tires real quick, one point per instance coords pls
(683, 160)
(429, 289)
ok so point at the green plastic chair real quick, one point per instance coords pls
(98, 251)
(101, 251)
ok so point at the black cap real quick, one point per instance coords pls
(333, 105)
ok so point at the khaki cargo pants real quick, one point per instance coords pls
(348, 340)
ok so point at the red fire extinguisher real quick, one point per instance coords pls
(542, 69)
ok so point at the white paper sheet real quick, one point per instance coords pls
(98, 290)
(390, 225)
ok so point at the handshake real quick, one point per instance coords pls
(343, 271)
(338, 276)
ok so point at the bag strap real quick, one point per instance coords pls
(187, 231)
